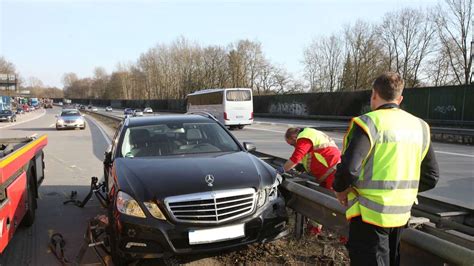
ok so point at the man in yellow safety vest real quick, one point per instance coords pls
(387, 159)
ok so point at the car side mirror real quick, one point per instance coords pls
(249, 146)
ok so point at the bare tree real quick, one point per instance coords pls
(6, 67)
(99, 84)
(453, 20)
(407, 39)
(364, 56)
(323, 63)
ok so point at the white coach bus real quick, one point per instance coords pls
(233, 107)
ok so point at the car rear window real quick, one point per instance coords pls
(176, 139)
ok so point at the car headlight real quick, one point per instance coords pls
(79, 120)
(127, 205)
(155, 210)
(262, 197)
(272, 191)
(9, 117)
(60, 121)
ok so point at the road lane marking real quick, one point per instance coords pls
(19, 123)
(456, 154)
(282, 132)
(442, 152)
(107, 139)
(276, 131)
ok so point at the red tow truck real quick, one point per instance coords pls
(21, 173)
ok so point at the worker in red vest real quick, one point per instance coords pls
(316, 151)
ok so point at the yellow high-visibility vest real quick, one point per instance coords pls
(319, 141)
(390, 174)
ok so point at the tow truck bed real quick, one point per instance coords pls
(21, 173)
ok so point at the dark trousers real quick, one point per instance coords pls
(372, 245)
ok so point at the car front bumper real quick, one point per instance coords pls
(152, 238)
(71, 125)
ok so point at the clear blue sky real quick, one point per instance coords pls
(46, 39)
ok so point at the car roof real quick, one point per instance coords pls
(176, 118)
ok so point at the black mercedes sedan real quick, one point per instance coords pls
(181, 184)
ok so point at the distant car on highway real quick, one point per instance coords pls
(183, 184)
(89, 106)
(148, 110)
(108, 109)
(138, 112)
(128, 111)
(82, 107)
(70, 118)
(7, 115)
(25, 108)
(94, 109)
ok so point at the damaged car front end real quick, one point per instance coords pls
(183, 184)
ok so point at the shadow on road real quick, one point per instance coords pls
(36, 129)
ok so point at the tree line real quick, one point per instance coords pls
(427, 47)
(175, 70)
(34, 85)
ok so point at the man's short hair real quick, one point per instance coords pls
(292, 131)
(389, 86)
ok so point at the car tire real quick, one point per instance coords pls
(117, 258)
(29, 217)
(57, 128)
(84, 127)
(241, 126)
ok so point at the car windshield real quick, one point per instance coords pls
(6, 112)
(175, 139)
(70, 113)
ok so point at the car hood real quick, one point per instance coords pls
(5, 115)
(156, 178)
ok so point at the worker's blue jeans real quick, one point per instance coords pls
(372, 245)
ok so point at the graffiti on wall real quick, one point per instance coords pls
(293, 108)
(444, 109)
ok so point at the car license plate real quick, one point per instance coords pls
(240, 116)
(216, 234)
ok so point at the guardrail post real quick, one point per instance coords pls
(299, 225)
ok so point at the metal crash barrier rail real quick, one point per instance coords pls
(444, 235)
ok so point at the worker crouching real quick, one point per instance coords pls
(316, 151)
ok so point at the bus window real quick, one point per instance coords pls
(206, 99)
(238, 95)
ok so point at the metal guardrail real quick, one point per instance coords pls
(452, 243)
